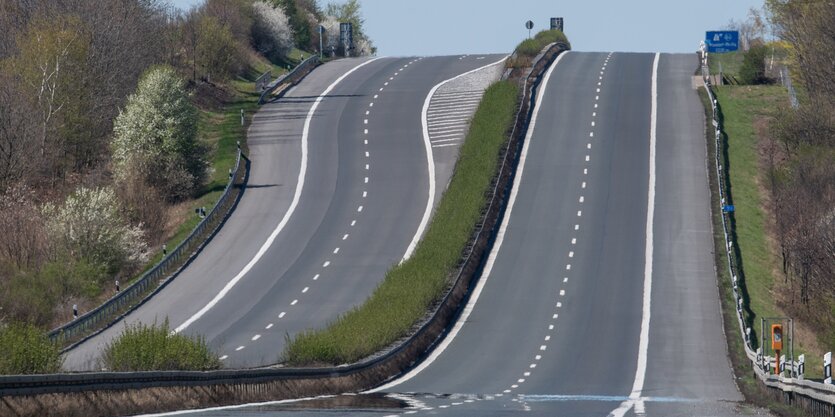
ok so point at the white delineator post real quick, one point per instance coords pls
(827, 368)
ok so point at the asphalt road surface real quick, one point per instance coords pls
(301, 249)
(584, 310)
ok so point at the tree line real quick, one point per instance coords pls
(99, 138)
(801, 170)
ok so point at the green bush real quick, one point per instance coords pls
(550, 36)
(27, 350)
(529, 47)
(142, 347)
(411, 288)
(752, 71)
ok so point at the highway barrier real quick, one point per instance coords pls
(131, 297)
(113, 393)
(816, 398)
(291, 78)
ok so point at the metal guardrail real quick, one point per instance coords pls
(125, 301)
(28, 385)
(291, 77)
(819, 397)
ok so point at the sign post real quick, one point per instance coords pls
(722, 41)
(529, 25)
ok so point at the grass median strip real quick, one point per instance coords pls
(411, 288)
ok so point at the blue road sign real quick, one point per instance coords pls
(722, 41)
(728, 208)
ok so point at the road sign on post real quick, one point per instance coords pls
(557, 24)
(722, 41)
(529, 26)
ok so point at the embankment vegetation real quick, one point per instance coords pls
(119, 118)
(781, 171)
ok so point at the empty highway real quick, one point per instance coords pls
(600, 296)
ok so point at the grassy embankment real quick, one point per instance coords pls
(411, 288)
(746, 112)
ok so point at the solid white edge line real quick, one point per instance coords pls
(491, 260)
(641, 371)
(287, 215)
(430, 161)
(236, 407)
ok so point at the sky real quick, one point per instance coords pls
(453, 27)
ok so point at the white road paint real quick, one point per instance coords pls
(282, 314)
(296, 197)
(430, 162)
(306, 289)
(256, 337)
(491, 260)
(635, 398)
(269, 326)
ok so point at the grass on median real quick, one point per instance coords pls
(154, 347)
(411, 288)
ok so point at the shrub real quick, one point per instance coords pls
(142, 347)
(27, 350)
(550, 36)
(89, 225)
(271, 31)
(156, 136)
(752, 71)
(529, 47)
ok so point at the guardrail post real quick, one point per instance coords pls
(801, 366)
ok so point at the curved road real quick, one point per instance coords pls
(600, 297)
(291, 258)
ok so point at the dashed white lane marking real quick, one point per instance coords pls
(295, 202)
(294, 302)
(571, 254)
(574, 241)
(364, 194)
(367, 154)
(269, 326)
(281, 315)
(576, 227)
(365, 121)
(305, 289)
(256, 337)
(500, 235)
(345, 237)
(325, 265)
(224, 357)
(562, 293)
(316, 277)
(365, 131)
(353, 223)
(543, 347)
(367, 112)
(359, 209)
(366, 180)
(582, 199)
(583, 185)
(568, 267)
(365, 142)
(239, 348)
